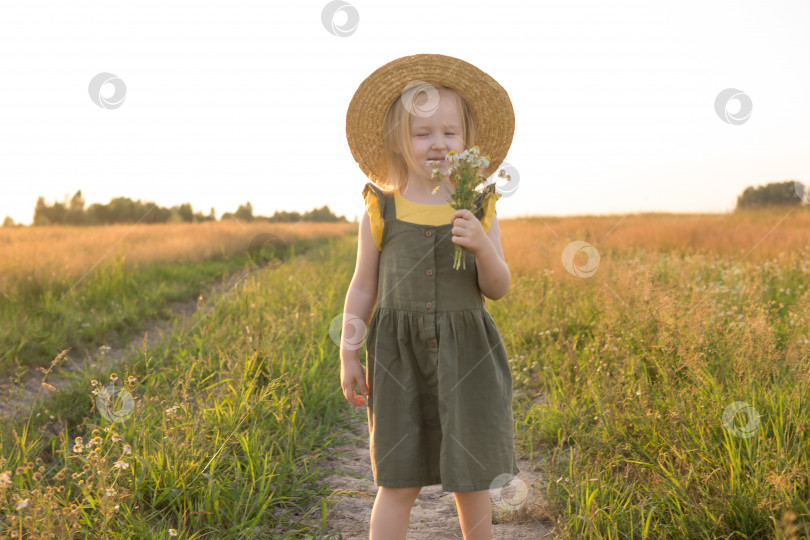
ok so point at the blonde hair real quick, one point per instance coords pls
(397, 137)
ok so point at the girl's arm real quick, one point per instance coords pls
(360, 300)
(493, 274)
(362, 294)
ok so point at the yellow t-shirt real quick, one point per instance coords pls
(420, 213)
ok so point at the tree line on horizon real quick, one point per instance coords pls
(125, 210)
(773, 194)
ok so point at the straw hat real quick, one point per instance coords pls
(491, 107)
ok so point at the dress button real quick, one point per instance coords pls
(429, 271)
(432, 343)
(428, 305)
(428, 232)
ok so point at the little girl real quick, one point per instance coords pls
(439, 387)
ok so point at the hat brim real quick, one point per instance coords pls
(490, 104)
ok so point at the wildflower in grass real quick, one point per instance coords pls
(121, 465)
(110, 492)
(127, 449)
(115, 437)
(22, 504)
(172, 532)
(5, 479)
(131, 379)
(113, 377)
(465, 177)
(77, 448)
(94, 382)
(20, 470)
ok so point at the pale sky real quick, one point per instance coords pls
(228, 102)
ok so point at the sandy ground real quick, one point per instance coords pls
(433, 516)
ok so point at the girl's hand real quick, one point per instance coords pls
(468, 232)
(351, 373)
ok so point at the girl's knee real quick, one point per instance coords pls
(472, 497)
(400, 493)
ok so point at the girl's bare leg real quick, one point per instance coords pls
(391, 512)
(475, 514)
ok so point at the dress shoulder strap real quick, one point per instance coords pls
(379, 205)
(384, 197)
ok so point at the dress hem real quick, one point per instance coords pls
(434, 482)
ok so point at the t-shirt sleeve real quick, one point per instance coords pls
(486, 212)
(375, 213)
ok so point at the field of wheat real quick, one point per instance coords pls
(660, 367)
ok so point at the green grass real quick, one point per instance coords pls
(254, 379)
(636, 366)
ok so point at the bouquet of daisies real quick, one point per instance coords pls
(465, 177)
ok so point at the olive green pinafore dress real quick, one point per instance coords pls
(440, 400)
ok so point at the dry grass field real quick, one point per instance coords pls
(50, 254)
(752, 236)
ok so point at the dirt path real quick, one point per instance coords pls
(16, 397)
(433, 515)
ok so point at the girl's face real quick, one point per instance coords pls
(432, 137)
